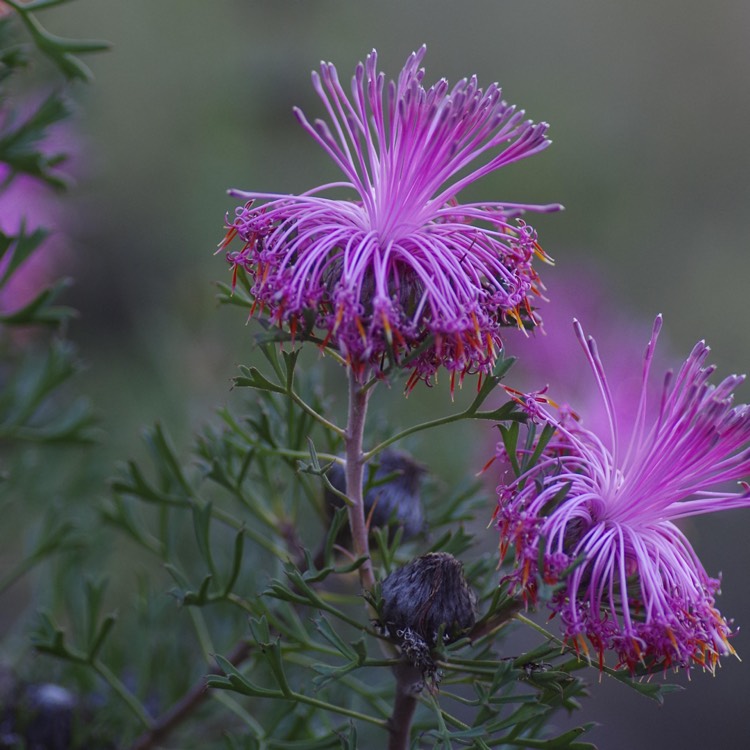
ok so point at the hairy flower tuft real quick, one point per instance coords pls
(400, 270)
(427, 600)
(597, 519)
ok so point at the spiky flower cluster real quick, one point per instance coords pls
(401, 268)
(598, 520)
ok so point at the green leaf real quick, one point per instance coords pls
(55, 537)
(260, 631)
(252, 378)
(134, 483)
(338, 522)
(58, 49)
(290, 362)
(565, 741)
(237, 682)
(324, 628)
(121, 515)
(510, 441)
(239, 547)
(202, 528)
(165, 458)
(29, 408)
(19, 145)
(201, 597)
(547, 432)
(653, 690)
(48, 638)
(101, 635)
(41, 310)
(18, 248)
(272, 653)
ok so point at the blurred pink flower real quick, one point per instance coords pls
(549, 359)
(595, 514)
(29, 203)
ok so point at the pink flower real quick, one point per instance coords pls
(606, 508)
(402, 266)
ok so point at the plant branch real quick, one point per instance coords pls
(297, 399)
(355, 462)
(409, 682)
(472, 412)
(490, 625)
(189, 702)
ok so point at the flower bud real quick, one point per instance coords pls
(424, 601)
(395, 502)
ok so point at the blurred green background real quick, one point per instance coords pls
(648, 105)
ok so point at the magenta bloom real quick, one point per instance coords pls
(401, 263)
(639, 588)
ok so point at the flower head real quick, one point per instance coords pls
(424, 601)
(598, 518)
(401, 267)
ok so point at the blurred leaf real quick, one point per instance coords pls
(18, 248)
(653, 690)
(61, 51)
(252, 378)
(19, 144)
(55, 537)
(32, 409)
(41, 310)
(237, 682)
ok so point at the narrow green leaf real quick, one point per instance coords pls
(237, 682)
(18, 248)
(272, 652)
(166, 457)
(239, 547)
(101, 636)
(41, 310)
(202, 528)
(324, 628)
(510, 441)
(253, 378)
(260, 631)
(544, 438)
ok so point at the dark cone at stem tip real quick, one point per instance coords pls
(424, 602)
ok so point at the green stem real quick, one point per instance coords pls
(315, 415)
(567, 649)
(302, 455)
(128, 698)
(201, 633)
(496, 621)
(300, 698)
(470, 413)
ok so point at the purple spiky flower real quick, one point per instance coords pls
(401, 266)
(598, 519)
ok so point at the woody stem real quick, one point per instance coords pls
(355, 463)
